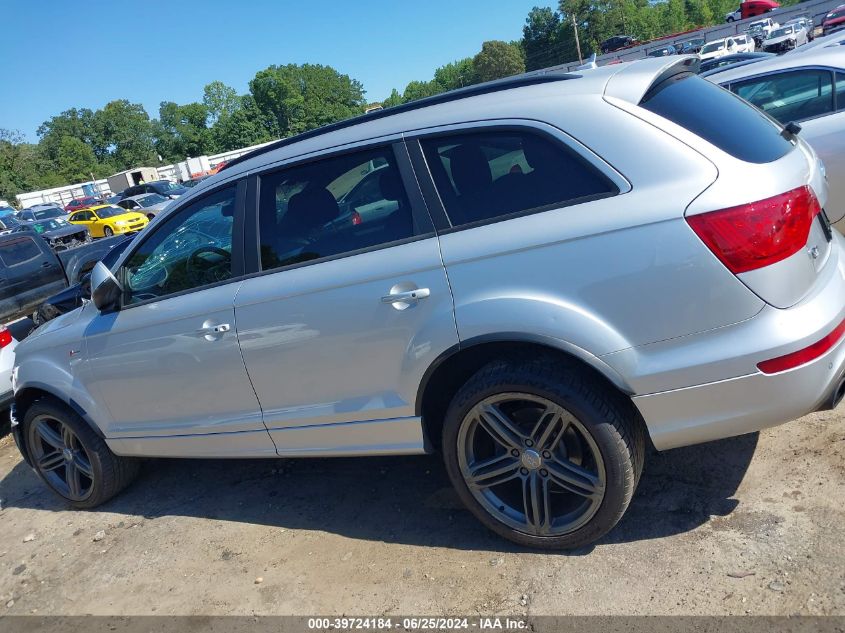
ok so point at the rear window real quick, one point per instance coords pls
(18, 250)
(718, 117)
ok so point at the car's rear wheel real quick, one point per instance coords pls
(108, 232)
(543, 455)
(71, 459)
(150, 217)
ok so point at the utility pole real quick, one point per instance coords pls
(577, 42)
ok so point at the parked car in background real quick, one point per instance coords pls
(30, 271)
(717, 48)
(785, 39)
(617, 42)
(806, 23)
(42, 212)
(4, 211)
(57, 232)
(150, 204)
(7, 363)
(533, 307)
(193, 182)
(804, 88)
(161, 187)
(82, 203)
(9, 222)
(713, 65)
(834, 21)
(71, 297)
(114, 199)
(663, 51)
(108, 220)
(691, 47)
(760, 29)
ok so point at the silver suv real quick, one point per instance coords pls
(535, 277)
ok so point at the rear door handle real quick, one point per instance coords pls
(46, 264)
(408, 296)
(211, 332)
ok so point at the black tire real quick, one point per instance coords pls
(107, 232)
(605, 415)
(109, 473)
(151, 217)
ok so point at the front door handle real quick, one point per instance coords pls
(213, 332)
(408, 296)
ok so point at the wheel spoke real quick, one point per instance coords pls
(51, 461)
(74, 484)
(499, 427)
(537, 505)
(549, 429)
(49, 435)
(80, 461)
(493, 472)
(573, 478)
(68, 438)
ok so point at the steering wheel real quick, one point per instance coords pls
(200, 270)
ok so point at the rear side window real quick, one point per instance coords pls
(19, 250)
(492, 175)
(790, 96)
(718, 117)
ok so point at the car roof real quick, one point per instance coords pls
(515, 98)
(833, 57)
(101, 206)
(139, 196)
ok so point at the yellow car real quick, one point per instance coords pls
(106, 220)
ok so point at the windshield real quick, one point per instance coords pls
(49, 225)
(166, 185)
(150, 200)
(780, 32)
(46, 214)
(6, 211)
(109, 212)
(9, 221)
(713, 46)
(834, 15)
(757, 25)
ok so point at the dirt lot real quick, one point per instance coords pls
(748, 525)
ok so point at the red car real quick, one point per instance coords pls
(81, 203)
(834, 20)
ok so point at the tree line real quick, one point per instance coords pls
(79, 144)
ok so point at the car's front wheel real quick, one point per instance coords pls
(108, 231)
(71, 459)
(543, 454)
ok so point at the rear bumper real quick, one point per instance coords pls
(744, 404)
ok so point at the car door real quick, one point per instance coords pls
(29, 273)
(167, 364)
(344, 318)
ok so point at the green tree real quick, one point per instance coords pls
(126, 129)
(419, 89)
(76, 161)
(79, 124)
(455, 74)
(498, 59)
(543, 39)
(393, 100)
(246, 125)
(304, 97)
(219, 100)
(181, 131)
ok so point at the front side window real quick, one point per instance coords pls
(790, 96)
(192, 249)
(333, 206)
(486, 175)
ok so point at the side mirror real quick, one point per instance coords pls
(105, 289)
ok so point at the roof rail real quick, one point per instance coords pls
(507, 83)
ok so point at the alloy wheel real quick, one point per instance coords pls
(531, 464)
(61, 459)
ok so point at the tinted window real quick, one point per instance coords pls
(718, 117)
(333, 206)
(487, 175)
(790, 96)
(18, 250)
(840, 91)
(192, 249)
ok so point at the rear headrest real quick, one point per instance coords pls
(390, 185)
(470, 169)
(310, 209)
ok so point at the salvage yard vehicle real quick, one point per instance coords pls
(148, 204)
(785, 39)
(30, 271)
(107, 220)
(58, 233)
(81, 203)
(834, 21)
(7, 361)
(570, 266)
(714, 65)
(803, 87)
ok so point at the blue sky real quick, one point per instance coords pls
(59, 54)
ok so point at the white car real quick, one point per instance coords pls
(767, 25)
(801, 87)
(743, 43)
(719, 48)
(7, 361)
(785, 39)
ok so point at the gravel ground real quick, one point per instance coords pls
(746, 525)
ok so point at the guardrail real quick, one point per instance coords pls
(815, 9)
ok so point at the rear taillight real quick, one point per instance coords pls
(5, 337)
(356, 218)
(759, 234)
(803, 356)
